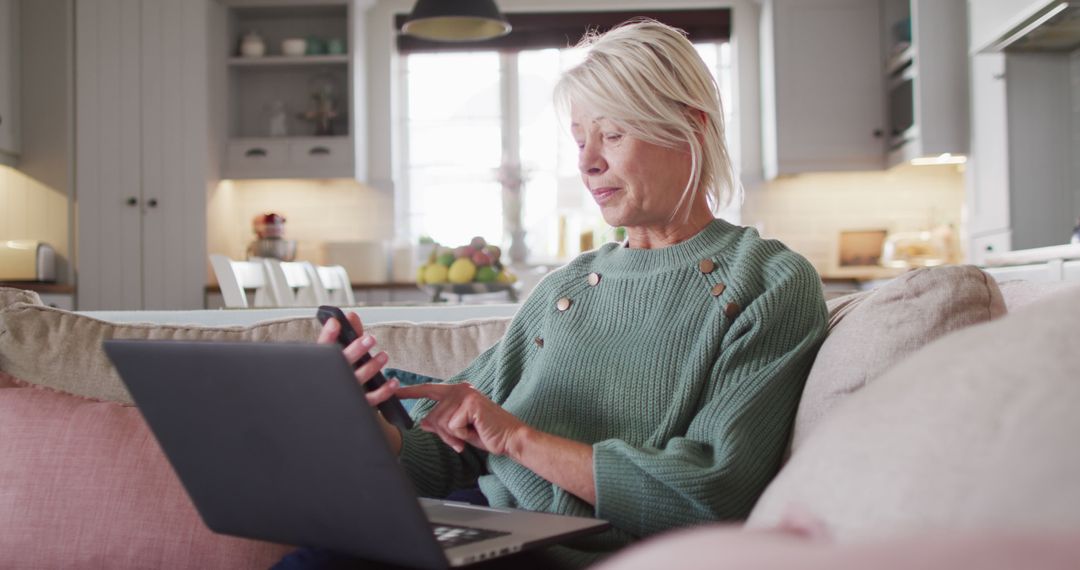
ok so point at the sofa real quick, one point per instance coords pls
(938, 420)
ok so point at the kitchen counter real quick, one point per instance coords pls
(41, 287)
(365, 293)
(1036, 255)
(214, 288)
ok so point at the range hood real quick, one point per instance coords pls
(1055, 28)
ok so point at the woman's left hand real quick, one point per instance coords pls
(464, 415)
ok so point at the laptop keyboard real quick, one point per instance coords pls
(451, 536)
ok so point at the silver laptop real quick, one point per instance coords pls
(277, 442)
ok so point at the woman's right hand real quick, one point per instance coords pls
(361, 346)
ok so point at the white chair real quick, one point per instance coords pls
(331, 282)
(235, 277)
(293, 284)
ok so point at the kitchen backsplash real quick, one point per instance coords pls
(316, 211)
(808, 211)
(30, 209)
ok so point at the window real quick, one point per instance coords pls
(486, 154)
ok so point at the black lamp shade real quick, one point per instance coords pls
(456, 20)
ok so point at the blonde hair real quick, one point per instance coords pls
(647, 77)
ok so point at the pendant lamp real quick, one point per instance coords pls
(456, 20)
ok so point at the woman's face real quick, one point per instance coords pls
(636, 184)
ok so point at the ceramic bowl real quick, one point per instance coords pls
(293, 46)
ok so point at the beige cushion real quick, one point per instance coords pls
(977, 430)
(728, 547)
(871, 331)
(62, 350)
(1020, 292)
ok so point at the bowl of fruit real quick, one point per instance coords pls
(466, 270)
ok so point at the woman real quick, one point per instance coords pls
(650, 383)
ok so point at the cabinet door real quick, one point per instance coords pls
(988, 168)
(141, 149)
(108, 153)
(981, 247)
(9, 73)
(990, 19)
(174, 99)
(826, 91)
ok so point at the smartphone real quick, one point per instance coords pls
(391, 409)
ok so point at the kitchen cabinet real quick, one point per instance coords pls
(991, 19)
(1021, 189)
(271, 101)
(988, 167)
(9, 84)
(926, 97)
(141, 102)
(822, 86)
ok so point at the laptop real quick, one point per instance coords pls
(276, 442)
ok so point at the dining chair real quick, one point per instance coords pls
(293, 284)
(236, 277)
(335, 285)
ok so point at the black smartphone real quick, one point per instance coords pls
(391, 409)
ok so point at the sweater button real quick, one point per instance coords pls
(732, 310)
(539, 342)
(593, 279)
(563, 304)
(718, 289)
(706, 266)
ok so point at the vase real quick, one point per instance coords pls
(252, 45)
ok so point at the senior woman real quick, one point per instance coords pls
(651, 383)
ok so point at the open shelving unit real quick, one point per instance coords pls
(276, 88)
(925, 63)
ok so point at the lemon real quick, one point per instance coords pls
(505, 276)
(435, 273)
(462, 271)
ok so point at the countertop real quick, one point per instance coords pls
(214, 288)
(41, 287)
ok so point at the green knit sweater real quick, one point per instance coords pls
(681, 366)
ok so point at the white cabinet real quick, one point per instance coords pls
(9, 84)
(986, 245)
(926, 69)
(266, 94)
(1021, 178)
(988, 168)
(822, 86)
(991, 19)
(294, 157)
(141, 138)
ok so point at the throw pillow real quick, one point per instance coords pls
(871, 331)
(62, 349)
(7, 381)
(83, 484)
(976, 430)
(1021, 292)
(729, 547)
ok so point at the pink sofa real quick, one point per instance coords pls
(896, 443)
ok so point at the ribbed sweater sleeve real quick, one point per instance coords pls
(434, 467)
(735, 442)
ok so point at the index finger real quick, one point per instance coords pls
(329, 332)
(429, 391)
